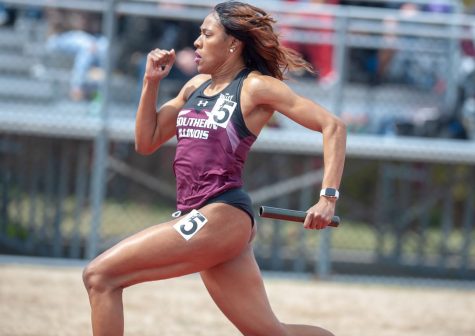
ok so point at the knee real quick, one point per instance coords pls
(274, 329)
(95, 278)
(297, 329)
(327, 333)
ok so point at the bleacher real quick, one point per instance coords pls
(33, 79)
(34, 99)
(37, 80)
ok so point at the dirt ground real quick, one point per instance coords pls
(50, 300)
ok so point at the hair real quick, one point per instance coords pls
(262, 48)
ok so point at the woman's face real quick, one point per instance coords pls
(212, 46)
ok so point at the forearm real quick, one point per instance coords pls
(334, 149)
(146, 118)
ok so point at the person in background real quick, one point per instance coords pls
(138, 35)
(8, 15)
(319, 55)
(78, 35)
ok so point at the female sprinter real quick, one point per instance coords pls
(216, 117)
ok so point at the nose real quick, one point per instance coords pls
(197, 42)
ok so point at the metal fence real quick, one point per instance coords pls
(71, 184)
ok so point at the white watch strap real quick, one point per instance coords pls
(330, 192)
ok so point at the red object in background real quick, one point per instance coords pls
(319, 55)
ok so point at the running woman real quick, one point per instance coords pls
(216, 117)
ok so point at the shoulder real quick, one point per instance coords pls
(263, 88)
(257, 81)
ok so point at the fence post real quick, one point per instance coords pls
(323, 266)
(101, 142)
(339, 61)
(453, 57)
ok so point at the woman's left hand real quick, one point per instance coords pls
(320, 215)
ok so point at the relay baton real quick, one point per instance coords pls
(290, 215)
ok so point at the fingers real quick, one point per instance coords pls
(160, 59)
(172, 56)
(316, 221)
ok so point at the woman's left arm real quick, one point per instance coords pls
(278, 96)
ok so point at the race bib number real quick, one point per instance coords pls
(222, 111)
(189, 225)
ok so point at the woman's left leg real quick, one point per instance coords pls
(237, 288)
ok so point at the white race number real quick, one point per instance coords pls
(189, 225)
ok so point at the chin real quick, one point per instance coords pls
(203, 71)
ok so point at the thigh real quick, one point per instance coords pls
(237, 288)
(160, 252)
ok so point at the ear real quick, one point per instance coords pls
(235, 43)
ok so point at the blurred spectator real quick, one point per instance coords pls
(424, 70)
(466, 92)
(369, 65)
(7, 15)
(78, 34)
(469, 6)
(139, 35)
(437, 6)
(319, 55)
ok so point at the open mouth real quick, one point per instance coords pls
(197, 57)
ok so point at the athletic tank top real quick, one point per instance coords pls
(213, 143)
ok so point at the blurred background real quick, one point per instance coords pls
(401, 74)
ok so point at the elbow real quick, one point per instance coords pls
(143, 150)
(338, 127)
(341, 126)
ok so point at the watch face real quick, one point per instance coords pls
(330, 192)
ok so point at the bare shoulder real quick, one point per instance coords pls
(256, 81)
(265, 89)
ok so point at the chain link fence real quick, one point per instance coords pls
(71, 184)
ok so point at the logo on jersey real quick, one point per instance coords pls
(202, 103)
(222, 110)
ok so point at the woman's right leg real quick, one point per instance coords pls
(160, 252)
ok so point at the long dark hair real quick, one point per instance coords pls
(262, 49)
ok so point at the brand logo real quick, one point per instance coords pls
(202, 103)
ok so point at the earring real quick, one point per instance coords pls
(231, 50)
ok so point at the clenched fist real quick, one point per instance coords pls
(159, 63)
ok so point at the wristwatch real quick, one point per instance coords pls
(330, 193)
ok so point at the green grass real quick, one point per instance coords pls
(120, 219)
(362, 237)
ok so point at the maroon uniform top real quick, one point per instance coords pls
(213, 143)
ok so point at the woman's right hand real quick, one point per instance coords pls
(159, 64)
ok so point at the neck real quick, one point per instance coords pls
(226, 73)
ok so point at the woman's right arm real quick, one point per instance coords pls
(153, 128)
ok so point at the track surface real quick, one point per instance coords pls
(50, 300)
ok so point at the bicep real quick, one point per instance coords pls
(281, 98)
(168, 112)
(166, 119)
